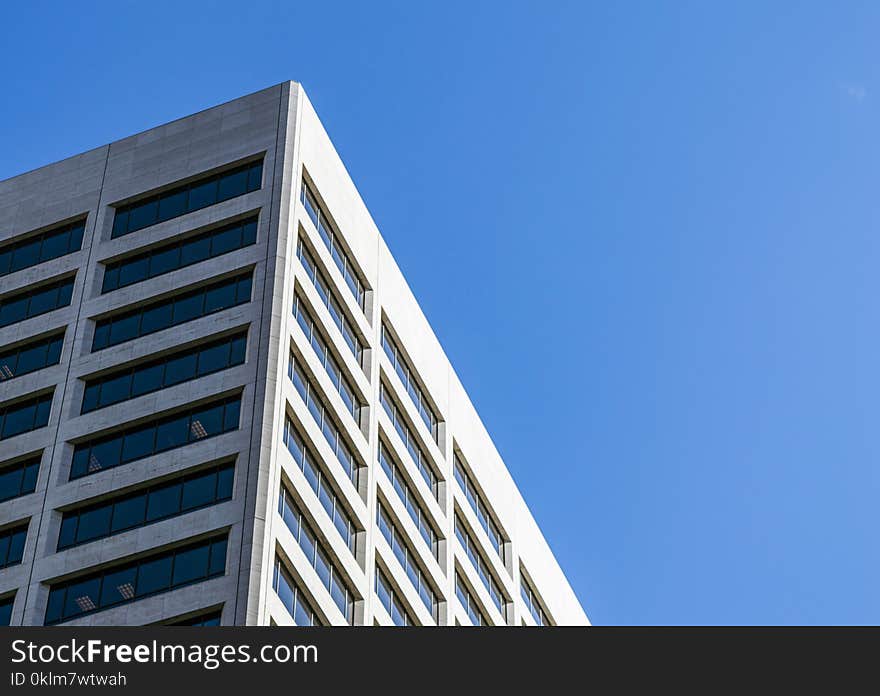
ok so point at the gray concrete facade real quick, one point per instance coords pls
(278, 125)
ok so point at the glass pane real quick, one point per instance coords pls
(164, 260)
(120, 223)
(195, 250)
(94, 524)
(172, 433)
(154, 576)
(118, 586)
(220, 297)
(146, 379)
(82, 597)
(203, 195)
(143, 215)
(231, 415)
(156, 318)
(188, 307)
(134, 271)
(172, 205)
(26, 255)
(53, 355)
(255, 176)
(54, 245)
(10, 483)
(232, 185)
(138, 443)
(13, 310)
(206, 422)
(249, 233)
(180, 369)
(225, 478)
(217, 566)
(226, 240)
(31, 359)
(105, 455)
(67, 535)
(190, 565)
(213, 358)
(199, 491)
(111, 279)
(129, 513)
(43, 301)
(124, 328)
(238, 350)
(163, 502)
(19, 419)
(29, 481)
(115, 390)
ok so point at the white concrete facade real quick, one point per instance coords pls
(280, 126)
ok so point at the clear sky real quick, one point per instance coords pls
(646, 234)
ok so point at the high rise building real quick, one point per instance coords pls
(221, 403)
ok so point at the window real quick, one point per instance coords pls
(210, 618)
(388, 598)
(293, 598)
(32, 249)
(162, 314)
(33, 301)
(318, 480)
(403, 552)
(177, 201)
(479, 507)
(169, 257)
(420, 459)
(19, 478)
(328, 297)
(470, 605)
(162, 434)
(533, 604)
(472, 550)
(30, 356)
(410, 383)
(6, 610)
(331, 239)
(320, 346)
(317, 554)
(324, 419)
(156, 502)
(408, 498)
(174, 368)
(12, 545)
(126, 582)
(24, 416)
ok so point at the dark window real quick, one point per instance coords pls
(31, 356)
(34, 249)
(180, 253)
(211, 618)
(24, 416)
(162, 314)
(12, 545)
(128, 581)
(19, 478)
(186, 198)
(164, 433)
(32, 302)
(6, 610)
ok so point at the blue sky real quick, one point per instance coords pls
(645, 233)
